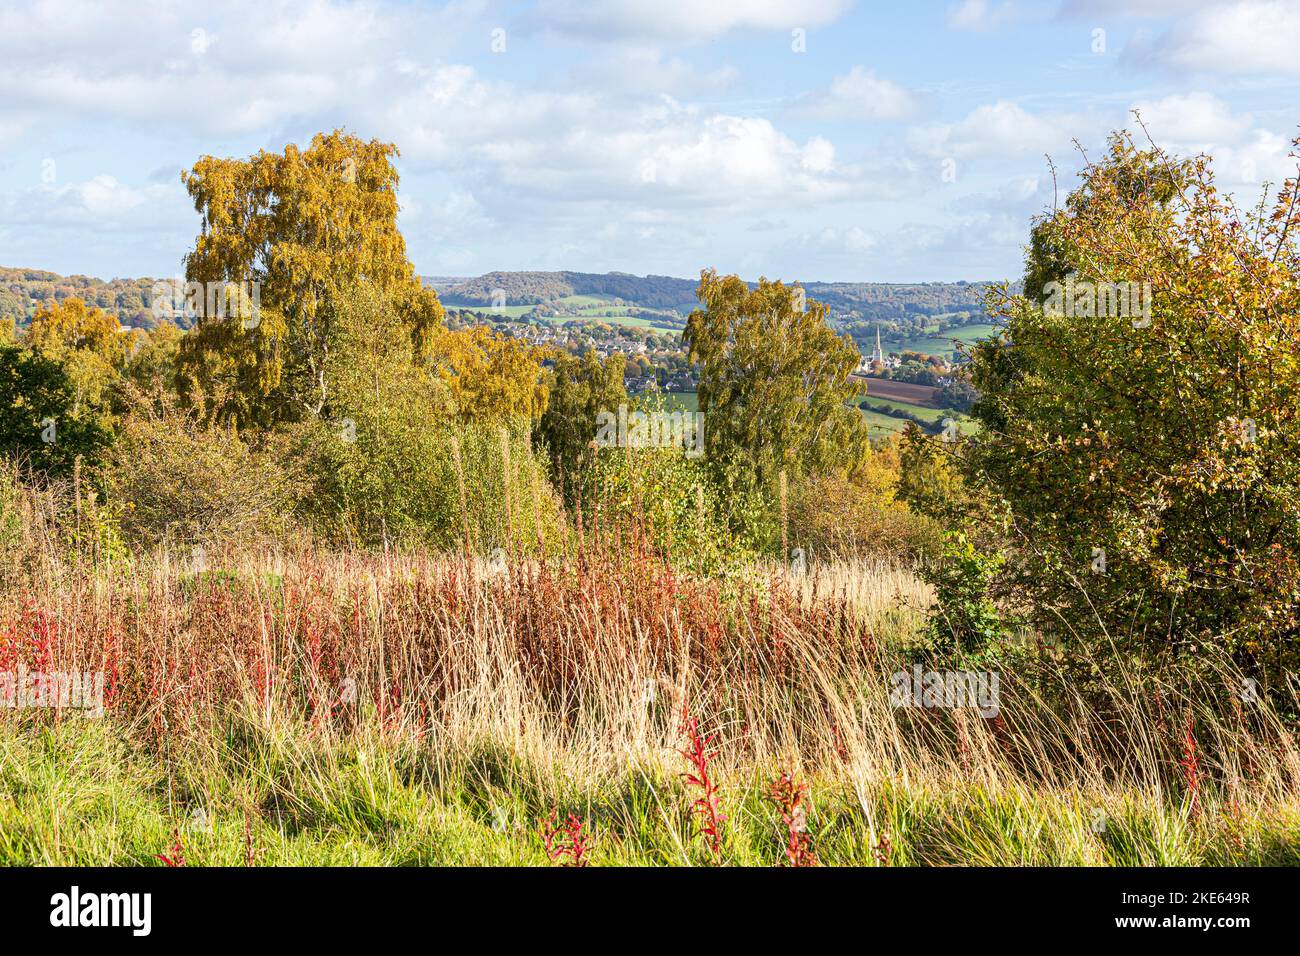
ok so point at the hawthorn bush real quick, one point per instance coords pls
(1146, 465)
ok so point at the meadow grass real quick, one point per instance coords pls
(412, 709)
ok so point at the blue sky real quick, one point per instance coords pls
(813, 140)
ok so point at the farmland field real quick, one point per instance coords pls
(899, 391)
(878, 425)
(965, 424)
(882, 426)
(583, 307)
(687, 401)
(941, 344)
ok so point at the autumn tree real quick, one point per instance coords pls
(580, 389)
(774, 379)
(151, 360)
(292, 231)
(1147, 458)
(40, 423)
(404, 434)
(92, 348)
(491, 377)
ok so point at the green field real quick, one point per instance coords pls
(503, 311)
(940, 344)
(880, 425)
(686, 401)
(588, 307)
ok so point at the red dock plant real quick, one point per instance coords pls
(697, 753)
(177, 857)
(565, 839)
(791, 797)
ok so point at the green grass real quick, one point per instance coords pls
(880, 425)
(920, 411)
(81, 794)
(587, 307)
(503, 311)
(686, 401)
(940, 344)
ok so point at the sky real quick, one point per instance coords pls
(818, 140)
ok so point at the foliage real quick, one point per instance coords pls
(12, 493)
(960, 396)
(397, 480)
(39, 423)
(176, 479)
(670, 497)
(303, 226)
(23, 292)
(91, 347)
(492, 377)
(774, 380)
(1148, 460)
(293, 699)
(862, 515)
(965, 618)
(930, 476)
(151, 366)
(580, 389)
(384, 467)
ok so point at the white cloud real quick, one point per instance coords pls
(851, 240)
(10, 133)
(99, 203)
(1245, 37)
(980, 15)
(681, 20)
(860, 94)
(1245, 153)
(1001, 129)
(642, 71)
(1141, 9)
(1199, 120)
(530, 148)
(238, 67)
(1262, 157)
(818, 155)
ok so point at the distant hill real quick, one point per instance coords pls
(890, 301)
(24, 291)
(534, 288)
(904, 312)
(904, 308)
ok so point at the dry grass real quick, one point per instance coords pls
(277, 684)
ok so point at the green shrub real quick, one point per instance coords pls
(396, 477)
(862, 515)
(174, 479)
(1139, 417)
(965, 618)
